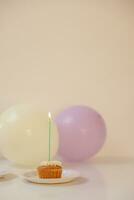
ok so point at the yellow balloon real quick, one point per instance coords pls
(24, 137)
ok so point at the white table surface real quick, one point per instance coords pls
(101, 179)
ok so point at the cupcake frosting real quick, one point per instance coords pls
(45, 163)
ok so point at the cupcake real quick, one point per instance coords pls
(50, 169)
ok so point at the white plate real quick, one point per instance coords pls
(67, 176)
(3, 172)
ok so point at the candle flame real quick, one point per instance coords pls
(49, 115)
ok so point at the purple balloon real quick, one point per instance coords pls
(82, 133)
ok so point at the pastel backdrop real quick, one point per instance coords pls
(63, 53)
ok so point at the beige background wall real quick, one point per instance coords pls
(61, 53)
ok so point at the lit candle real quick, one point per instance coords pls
(49, 132)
